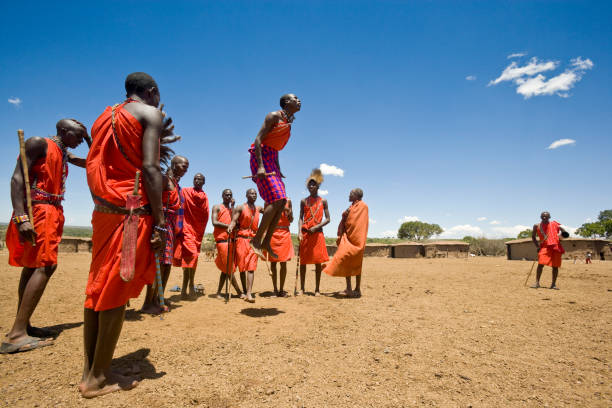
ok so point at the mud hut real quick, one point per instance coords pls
(75, 244)
(446, 249)
(519, 249)
(408, 250)
(374, 249)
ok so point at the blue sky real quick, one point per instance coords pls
(421, 104)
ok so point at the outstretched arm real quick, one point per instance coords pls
(77, 161)
(269, 122)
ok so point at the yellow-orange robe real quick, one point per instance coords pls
(349, 256)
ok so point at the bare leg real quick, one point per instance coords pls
(348, 292)
(243, 281)
(165, 274)
(185, 284)
(249, 293)
(150, 305)
(302, 279)
(555, 273)
(318, 270)
(101, 331)
(283, 276)
(358, 285)
(222, 278)
(191, 281)
(268, 223)
(538, 276)
(32, 292)
(274, 277)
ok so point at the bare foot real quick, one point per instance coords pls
(114, 382)
(283, 294)
(299, 293)
(356, 293)
(242, 296)
(555, 287)
(151, 309)
(249, 298)
(257, 250)
(317, 293)
(535, 286)
(346, 292)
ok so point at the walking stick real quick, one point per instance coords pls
(26, 178)
(531, 270)
(297, 267)
(273, 173)
(227, 269)
(160, 288)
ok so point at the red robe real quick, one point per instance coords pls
(312, 248)
(550, 246)
(110, 176)
(353, 233)
(187, 247)
(281, 243)
(49, 175)
(246, 259)
(220, 235)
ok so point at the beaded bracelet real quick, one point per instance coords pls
(160, 229)
(20, 219)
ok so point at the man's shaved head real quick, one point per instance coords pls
(177, 159)
(64, 125)
(284, 99)
(358, 193)
(138, 82)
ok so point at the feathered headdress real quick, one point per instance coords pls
(315, 175)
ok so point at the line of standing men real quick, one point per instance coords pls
(127, 139)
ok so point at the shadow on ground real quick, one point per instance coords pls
(137, 364)
(261, 312)
(59, 328)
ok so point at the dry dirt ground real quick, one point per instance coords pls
(441, 332)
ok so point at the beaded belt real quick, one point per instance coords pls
(283, 227)
(146, 210)
(42, 197)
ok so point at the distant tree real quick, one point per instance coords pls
(524, 234)
(418, 230)
(602, 228)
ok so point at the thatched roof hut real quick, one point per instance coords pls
(520, 249)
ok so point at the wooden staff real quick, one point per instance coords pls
(531, 270)
(273, 173)
(297, 266)
(26, 178)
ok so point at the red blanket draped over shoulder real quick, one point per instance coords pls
(110, 176)
(312, 248)
(220, 234)
(349, 256)
(47, 175)
(187, 248)
(551, 250)
(246, 259)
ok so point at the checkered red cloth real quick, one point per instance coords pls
(272, 188)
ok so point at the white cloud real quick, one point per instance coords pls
(372, 221)
(495, 222)
(330, 170)
(481, 219)
(531, 82)
(561, 142)
(323, 192)
(516, 55)
(459, 231)
(571, 230)
(470, 77)
(510, 231)
(15, 101)
(514, 71)
(407, 218)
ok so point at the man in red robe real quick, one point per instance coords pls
(313, 249)
(172, 201)
(126, 139)
(47, 161)
(352, 238)
(265, 168)
(187, 248)
(549, 248)
(245, 217)
(221, 218)
(282, 245)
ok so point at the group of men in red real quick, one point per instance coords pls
(129, 139)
